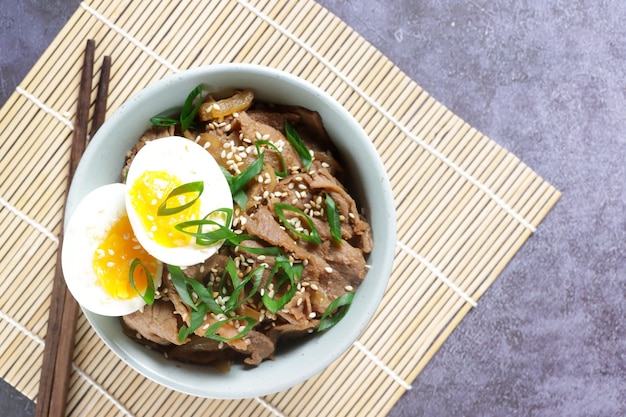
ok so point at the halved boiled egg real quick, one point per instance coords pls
(99, 247)
(157, 177)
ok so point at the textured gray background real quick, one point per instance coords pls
(546, 80)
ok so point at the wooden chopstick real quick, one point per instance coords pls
(101, 97)
(59, 341)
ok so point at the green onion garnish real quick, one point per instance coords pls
(218, 233)
(189, 111)
(285, 272)
(148, 295)
(222, 232)
(282, 173)
(205, 296)
(187, 114)
(163, 121)
(195, 321)
(313, 235)
(298, 144)
(180, 284)
(239, 182)
(196, 187)
(333, 216)
(255, 276)
(335, 311)
(211, 332)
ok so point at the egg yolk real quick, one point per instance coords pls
(112, 260)
(147, 193)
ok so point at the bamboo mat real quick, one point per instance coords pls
(464, 204)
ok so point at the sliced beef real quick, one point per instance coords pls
(155, 132)
(200, 350)
(156, 323)
(258, 348)
(292, 331)
(263, 224)
(172, 295)
(253, 130)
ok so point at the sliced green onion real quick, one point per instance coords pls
(270, 250)
(148, 295)
(195, 321)
(211, 332)
(163, 121)
(196, 187)
(180, 284)
(205, 295)
(239, 182)
(282, 173)
(223, 233)
(333, 216)
(298, 144)
(189, 111)
(313, 235)
(220, 232)
(335, 311)
(290, 273)
(233, 301)
(187, 114)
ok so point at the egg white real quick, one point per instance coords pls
(189, 162)
(86, 230)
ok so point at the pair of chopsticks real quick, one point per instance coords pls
(59, 341)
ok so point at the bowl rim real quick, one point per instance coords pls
(350, 328)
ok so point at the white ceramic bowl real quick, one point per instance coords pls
(102, 163)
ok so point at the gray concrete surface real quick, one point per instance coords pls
(546, 79)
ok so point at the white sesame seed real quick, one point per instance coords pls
(349, 288)
(312, 315)
(328, 269)
(216, 106)
(314, 287)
